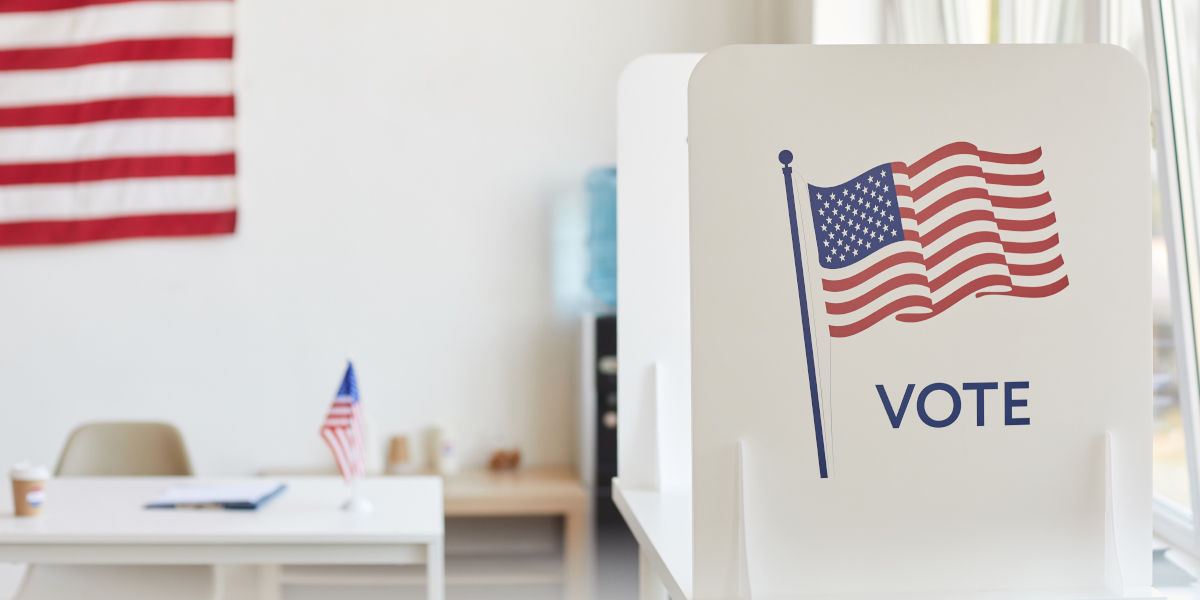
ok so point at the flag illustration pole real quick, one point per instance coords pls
(785, 158)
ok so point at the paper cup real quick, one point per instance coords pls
(29, 489)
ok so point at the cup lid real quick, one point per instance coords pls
(26, 471)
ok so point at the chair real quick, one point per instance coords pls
(121, 450)
(124, 450)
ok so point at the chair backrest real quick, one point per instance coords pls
(124, 449)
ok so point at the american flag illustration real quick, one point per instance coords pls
(116, 119)
(912, 240)
(343, 430)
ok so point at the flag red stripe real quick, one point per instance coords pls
(849, 306)
(1033, 292)
(1031, 247)
(841, 285)
(952, 299)
(14, 6)
(1021, 158)
(1030, 225)
(148, 107)
(117, 168)
(87, 230)
(1038, 269)
(1019, 203)
(65, 57)
(877, 316)
(1022, 179)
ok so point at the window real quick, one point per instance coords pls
(1172, 44)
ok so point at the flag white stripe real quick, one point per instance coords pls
(1023, 214)
(348, 446)
(116, 80)
(125, 21)
(360, 440)
(930, 273)
(117, 197)
(954, 261)
(335, 446)
(1036, 258)
(1040, 280)
(890, 296)
(920, 291)
(1036, 235)
(138, 137)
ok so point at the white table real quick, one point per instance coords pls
(101, 521)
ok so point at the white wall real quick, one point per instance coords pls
(398, 163)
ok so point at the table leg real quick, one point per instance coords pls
(435, 570)
(220, 576)
(650, 587)
(576, 557)
(270, 585)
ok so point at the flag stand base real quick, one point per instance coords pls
(358, 505)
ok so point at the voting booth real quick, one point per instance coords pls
(894, 337)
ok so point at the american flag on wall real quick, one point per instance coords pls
(912, 240)
(343, 430)
(116, 119)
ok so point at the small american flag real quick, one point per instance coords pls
(343, 430)
(116, 119)
(912, 240)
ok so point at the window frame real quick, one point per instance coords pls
(1176, 179)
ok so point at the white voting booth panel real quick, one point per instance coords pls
(652, 256)
(654, 323)
(977, 424)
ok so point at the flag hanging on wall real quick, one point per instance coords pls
(343, 431)
(116, 119)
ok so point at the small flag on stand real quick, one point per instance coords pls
(343, 430)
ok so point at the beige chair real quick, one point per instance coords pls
(124, 450)
(121, 450)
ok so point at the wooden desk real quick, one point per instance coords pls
(101, 521)
(536, 491)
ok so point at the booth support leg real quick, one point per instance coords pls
(650, 587)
